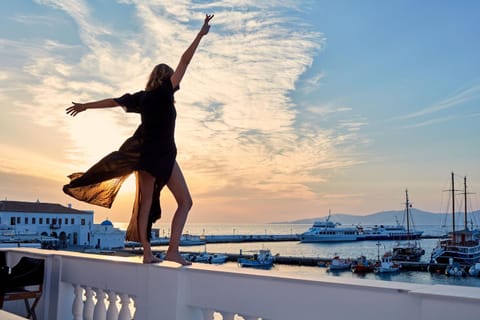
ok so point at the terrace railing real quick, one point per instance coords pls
(96, 287)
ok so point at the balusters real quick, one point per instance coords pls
(100, 311)
(89, 304)
(125, 310)
(112, 312)
(77, 302)
(95, 309)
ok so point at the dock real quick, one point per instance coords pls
(306, 261)
(190, 240)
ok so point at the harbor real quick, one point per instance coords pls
(285, 245)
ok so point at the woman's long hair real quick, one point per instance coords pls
(160, 73)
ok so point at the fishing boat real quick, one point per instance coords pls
(474, 270)
(387, 265)
(262, 259)
(338, 264)
(328, 231)
(411, 250)
(363, 265)
(455, 270)
(462, 246)
(205, 257)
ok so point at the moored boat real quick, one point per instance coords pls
(328, 231)
(463, 246)
(363, 265)
(205, 257)
(454, 269)
(338, 264)
(263, 259)
(474, 270)
(387, 265)
(410, 251)
(387, 232)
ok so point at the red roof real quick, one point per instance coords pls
(38, 207)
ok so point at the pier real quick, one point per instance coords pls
(189, 239)
(305, 261)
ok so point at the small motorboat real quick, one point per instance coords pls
(387, 265)
(363, 265)
(205, 257)
(455, 270)
(474, 270)
(339, 264)
(263, 259)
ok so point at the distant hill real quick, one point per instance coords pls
(420, 218)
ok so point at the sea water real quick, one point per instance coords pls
(370, 249)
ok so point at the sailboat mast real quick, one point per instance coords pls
(465, 200)
(453, 206)
(408, 214)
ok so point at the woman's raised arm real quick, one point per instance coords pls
(79, 107)
(188, 54)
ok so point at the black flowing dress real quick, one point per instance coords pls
(151, 148)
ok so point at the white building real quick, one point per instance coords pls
(71, 226)
(105, 236)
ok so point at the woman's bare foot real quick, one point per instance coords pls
(176, 257)
(151, 259)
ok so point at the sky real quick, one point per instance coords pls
(289, 109)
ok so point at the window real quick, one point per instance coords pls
(34, 220)
(40, 221)
(26, 220)
(72, 221)
(47, 221)
(12, 221)
(18, 220)
(83, 222)
(66, 220)
(54, 221)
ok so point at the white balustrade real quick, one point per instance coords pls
(94, 306)
(85, 287)
(125, 309)
(89, 304)
(112, 312)
(100, 311)
(77, 307)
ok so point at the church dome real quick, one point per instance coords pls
(107, 223)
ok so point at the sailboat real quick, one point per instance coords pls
(411, 250)
(462, 246)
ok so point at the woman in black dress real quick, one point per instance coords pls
(150, 153)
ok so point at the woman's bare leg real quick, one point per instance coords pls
(146, 182)
(179, 189)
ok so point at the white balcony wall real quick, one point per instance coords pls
(126, 288)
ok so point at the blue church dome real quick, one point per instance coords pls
(107, 223)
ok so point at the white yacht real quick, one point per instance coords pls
(328, 231)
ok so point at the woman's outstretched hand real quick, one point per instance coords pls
(206, 26)
(76, 109)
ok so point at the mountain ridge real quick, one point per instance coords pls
(419, 217)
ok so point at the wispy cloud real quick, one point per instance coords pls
(238, 128)
(454, 101)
